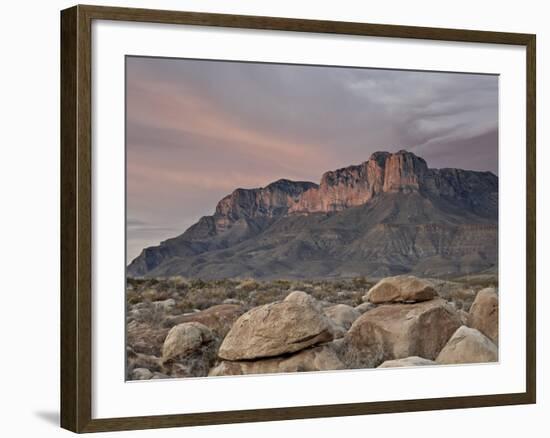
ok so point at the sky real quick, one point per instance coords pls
(198, 129)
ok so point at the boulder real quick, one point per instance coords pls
(411, 361)
(468, 345)
(233, 301)
(320, 358)
(189, 350)
(141, 374)
(277, 328)
(303, 298)
(342, 315)
(396, 331)
(217, 318)
(164, 305)
(145, 337)
(484, 313)
(365, 307)
(464, 316)
(401, 289)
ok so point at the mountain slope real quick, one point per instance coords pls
(388, 215)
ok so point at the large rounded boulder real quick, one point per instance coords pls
(277, 328)
(468, 345)
(401, 289)
(396, 331)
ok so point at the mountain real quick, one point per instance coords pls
(391, 214)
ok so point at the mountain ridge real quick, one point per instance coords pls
(393, 202)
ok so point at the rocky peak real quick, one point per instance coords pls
(404, 171)
(269, 201)
(354, 185)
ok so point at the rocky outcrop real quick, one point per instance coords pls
(396, 331)
(484, 313)
(468, 345)
(412, 361)
(189, 350)
(298, 333)
(319, 358)
(429, 221)
(401, 289)
(275, 329)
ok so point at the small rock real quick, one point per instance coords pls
(165, 305)
(411, 361)
(158, 375)
(302, 298)
(464, 317)
(141, 374)
(233, 301)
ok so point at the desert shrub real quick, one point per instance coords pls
(155, 295)
(132, 297)
(178, 282)
(206, 297)
(184, 306)
(197, 283)
(267, 296)
(361, 283)
(248, 284)
(135, 283)
(282, 284)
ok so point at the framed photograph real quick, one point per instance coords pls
(270, 218)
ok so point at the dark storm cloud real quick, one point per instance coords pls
(198, 129)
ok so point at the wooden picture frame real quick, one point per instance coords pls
(76, 218)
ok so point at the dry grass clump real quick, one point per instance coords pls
(479, 281)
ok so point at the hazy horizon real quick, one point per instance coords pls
(197, 130)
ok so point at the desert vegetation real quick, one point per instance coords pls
(180, 327)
